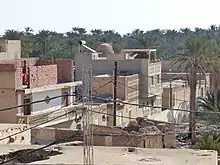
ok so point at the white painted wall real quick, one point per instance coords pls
(20, 102)
(54, 104)
(71, 98)
(172, 115)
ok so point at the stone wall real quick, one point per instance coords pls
(46, 135)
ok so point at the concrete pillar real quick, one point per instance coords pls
(19, 102)
(72, 98)
(110, 115)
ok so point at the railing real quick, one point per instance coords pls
(44, 117)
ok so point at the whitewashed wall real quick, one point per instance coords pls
(54, 104)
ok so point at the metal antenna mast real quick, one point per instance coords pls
(87, 116)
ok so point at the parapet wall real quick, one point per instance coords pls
(43, 75)
(46, 135)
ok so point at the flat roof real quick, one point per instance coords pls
(182, 73)
(122, 74)
(120, 155)
(52, 87)
(138, 50)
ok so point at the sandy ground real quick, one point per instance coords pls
(120, 156)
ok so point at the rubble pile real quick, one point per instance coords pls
(98, 129)
(28, 156)
(141, 126)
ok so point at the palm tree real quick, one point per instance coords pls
(209, 104)
(145, 39)
(42, 40)
(71, 41)
(28, 31)
(193, 59)
(97, 32)
(186, 32)
(12, 34)
(209, 142)
(215, 66)
(79, 32)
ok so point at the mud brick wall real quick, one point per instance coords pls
(64, 69)
(154, 141)
(170, 140)
(43, 75)
(131, 141)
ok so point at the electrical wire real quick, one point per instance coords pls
(29, 128)
(166, 79)
(103, 86)
(106, 134)
(38, 149)
(151, 93)
(34, 102)
(144, 105)
(93, 111)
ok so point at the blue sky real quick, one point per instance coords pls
(120, 15)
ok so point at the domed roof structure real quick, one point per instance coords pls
(105, 48)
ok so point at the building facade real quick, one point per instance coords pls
(127, 89)
(134, 61)
(10, 49)
(23, 81)
(176, 95)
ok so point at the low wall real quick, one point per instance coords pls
(9, 129)
(46, 135)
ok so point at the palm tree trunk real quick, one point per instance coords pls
(192, 115)
(71, 50)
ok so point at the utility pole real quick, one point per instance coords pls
(115, 92)
(171, 94)
(88, 158)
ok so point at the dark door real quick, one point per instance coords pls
(65, 99)
(27, 108)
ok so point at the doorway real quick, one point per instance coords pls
(27, 108)
(65, 99)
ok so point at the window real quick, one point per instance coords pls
(158, 79)
(152, 102)
(202, 92)
(27, 108)
(65, 99)
(152, 80)
(173, 100)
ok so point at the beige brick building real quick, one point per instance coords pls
(10, 49)
(142, 63)
(124, 93)
(177, 96)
